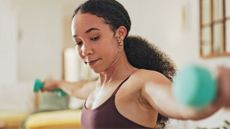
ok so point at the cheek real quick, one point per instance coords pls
(111, 52)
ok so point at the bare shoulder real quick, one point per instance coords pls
(145, 76)
(135, 87)
(142, 77)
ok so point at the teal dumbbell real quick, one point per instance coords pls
(38, 85)
(194, 86)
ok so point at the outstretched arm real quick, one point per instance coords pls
(158, 92)
(80, 89)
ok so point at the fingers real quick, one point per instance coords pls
(224, 84)
(50, 84)
(2, 125)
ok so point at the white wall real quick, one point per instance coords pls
(17, 97)
(41, 39)
(8, 44)
(30, 46)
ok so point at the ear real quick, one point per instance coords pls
(121, 32)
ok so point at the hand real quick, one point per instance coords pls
(2, 124)
(223, 78)
(51, 84)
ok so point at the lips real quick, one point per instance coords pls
(91, 62)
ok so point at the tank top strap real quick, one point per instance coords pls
(123, 82)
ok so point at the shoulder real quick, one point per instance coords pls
(142, 77)
(136, 86)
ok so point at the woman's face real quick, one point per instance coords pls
(95, 41)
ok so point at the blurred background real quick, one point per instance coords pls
(36, 42)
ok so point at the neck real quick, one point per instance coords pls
(118, 70)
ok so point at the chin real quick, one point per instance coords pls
(97, 70)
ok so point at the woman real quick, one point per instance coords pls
(134, 85)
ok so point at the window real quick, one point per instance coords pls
(214, 28)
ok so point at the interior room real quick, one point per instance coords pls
(36, 43)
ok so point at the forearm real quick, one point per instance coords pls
(79, 89)
(206, 112)
(161, 98)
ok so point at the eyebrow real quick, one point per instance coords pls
(88, 31)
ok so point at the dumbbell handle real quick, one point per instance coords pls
(38, 85)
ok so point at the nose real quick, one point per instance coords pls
(86, 49)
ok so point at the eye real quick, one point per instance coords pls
(78, 42)
(95, 38)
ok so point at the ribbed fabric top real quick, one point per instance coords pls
(106, 116)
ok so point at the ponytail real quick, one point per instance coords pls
(144, 55)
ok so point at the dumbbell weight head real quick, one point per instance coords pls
(38, 85)
(194, 86)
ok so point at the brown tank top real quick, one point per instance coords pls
(106, 116)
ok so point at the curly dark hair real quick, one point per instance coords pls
(113, 13)
(144, 55)
(139, 52)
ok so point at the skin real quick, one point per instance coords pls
(223, 78)
(112, 67)
(144, 95)
(2, 125)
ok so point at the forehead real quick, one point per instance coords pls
(84, 21)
